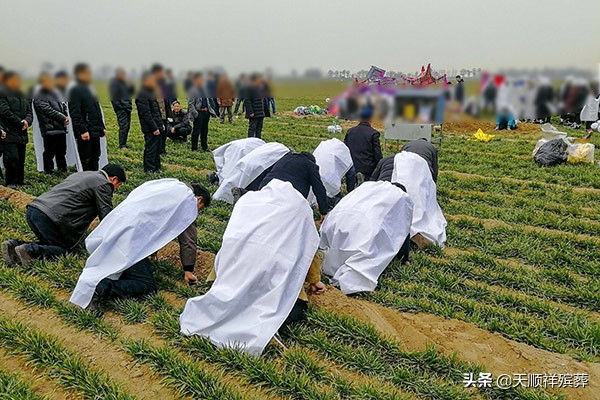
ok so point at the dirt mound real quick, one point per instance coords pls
(496, 353)
(469, 125)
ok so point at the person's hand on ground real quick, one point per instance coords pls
(190, 278)
(317, 288)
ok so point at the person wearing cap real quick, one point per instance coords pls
(60, 217)
(365, 149)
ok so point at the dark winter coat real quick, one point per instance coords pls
(148, 111)
(14, 108)
(365, 148)
(51, 113)
(85, 111)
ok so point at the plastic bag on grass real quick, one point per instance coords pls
(580, 153)
(553, 152)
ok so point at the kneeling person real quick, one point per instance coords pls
(59, 218)
(150, 217)
(363, 234)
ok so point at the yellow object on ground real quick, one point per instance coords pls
(580, 153)
(481, 136)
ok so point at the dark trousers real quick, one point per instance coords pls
(297, 314)
(55, 148)
(351, 179)
(200, 130)
(14, 163)
(255, 127)
(124, 121)
(136, 281)
(50, 242)
(271, 104)
(151, 152)
(238, 103)
(89, 153)
(180, 134)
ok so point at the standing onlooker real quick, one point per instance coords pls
(459, 90)
(120, 95)
(61, 83)
(199, 110)
(2, 131)
(225, 98)
(53, 119)
(151, 122)
(87, 119)
(170, 86)
(15, 117)
(188, 82)
(212, 81)
(241, 87)
(268, 89)
(365, 149)
(161, 93)
(256, 109)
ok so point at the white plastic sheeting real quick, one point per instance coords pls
(334, 160)
(249, 167)
(363, 233)
(267, 249)
(227, 156)
(412, 171)
(150, 217)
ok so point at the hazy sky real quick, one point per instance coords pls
(286, 35)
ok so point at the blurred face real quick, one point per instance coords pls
(257, 81)
(14, 82)
(85, 76)
(176, 107)
(159, 75)
(121, 75)
(1, 77)
(149, 81)
(199, 81)
(61, 81)
(47, 82)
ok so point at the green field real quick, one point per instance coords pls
(517, 290)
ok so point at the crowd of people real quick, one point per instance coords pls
(390, 209)
(536, 100)
(67, 117)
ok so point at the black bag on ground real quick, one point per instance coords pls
(552, 153)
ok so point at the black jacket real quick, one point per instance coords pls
(255, 103)
(14, 108)
(85, 111)
(303, 173)
(51, 113)
(427, 151)
(120, 94)
(148, 111)
(363, 142)
(180, 120)
(384, 169)
(74, 203)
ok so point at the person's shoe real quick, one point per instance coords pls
(95, 306)
(123, 147)
(237, 193)
(360, 178)
(24, 256)
(421, 241)
(8, 252)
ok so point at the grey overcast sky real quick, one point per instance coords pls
(286, 35)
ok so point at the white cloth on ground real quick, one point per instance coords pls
(334, 160)
(363, 233)
(267, 249)
(150, 217)
(248, 168)
(227, 155)
(412, 171)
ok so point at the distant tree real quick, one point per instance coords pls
(474, 72)
(463, 72)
